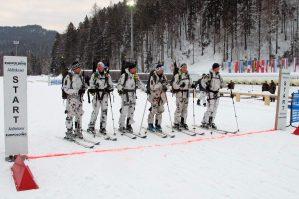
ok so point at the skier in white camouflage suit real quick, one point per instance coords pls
(157, 90)
(74, 87)
(181, 85)
(127, 85)
(100, 87)
(212, 86)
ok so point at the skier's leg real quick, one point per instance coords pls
(152, 113)
(210, 107)
(214, 111)
(123, 113)
(94, 114)
(104, 110)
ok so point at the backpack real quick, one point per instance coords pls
(175, 71)
(64, 94)
(208, 87)
(148, 85)
(125, 65)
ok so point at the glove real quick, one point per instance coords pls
(182, 85)
(108, 90)
(81, 91)
(193, 86)
(136, 76)
(120, 92)
(164, 88)
(163, 81)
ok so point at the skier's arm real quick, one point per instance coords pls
(176, 82)
(110, 83)
(141, 85)
(92, 82)
(120, 83)
(67, 86)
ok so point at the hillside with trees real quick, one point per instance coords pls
(167, 30)
(34, 42)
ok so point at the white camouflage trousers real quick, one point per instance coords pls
(127, 109)
(213, 101)
(156, 110)
(96, 105)
(181, 109)
(73, 110)
(202, 96)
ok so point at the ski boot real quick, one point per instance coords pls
(103, 131)
(204, 126)
(122, 129)
(69, 134)
(177, 127)
(78, 133)
(198, 102)
(184, 126)
(129, 128)
(158, 127)
(213, 126)
(151, 128)
(91, 130)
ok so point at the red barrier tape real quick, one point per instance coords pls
(199, 139)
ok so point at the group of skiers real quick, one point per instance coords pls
(100, 86)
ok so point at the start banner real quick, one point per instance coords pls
(15, 105)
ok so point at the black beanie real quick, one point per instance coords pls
(76, 65)
(131, 65)
(215, 65)
(158, 66)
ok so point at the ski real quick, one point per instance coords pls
(187, 132)
(171, 135)
(218, 131)
(161, 134)
(105, 136)
(76, 141)
(224, 131)
(91, 141)
(139, 135)
(126, 133)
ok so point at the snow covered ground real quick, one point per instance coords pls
(256, 163)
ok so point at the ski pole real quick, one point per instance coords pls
(231, 93)
(194, 92)
(143, 115)
(169, 112)
(111, 113)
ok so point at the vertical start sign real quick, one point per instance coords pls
(283, 98)
(15, 105)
